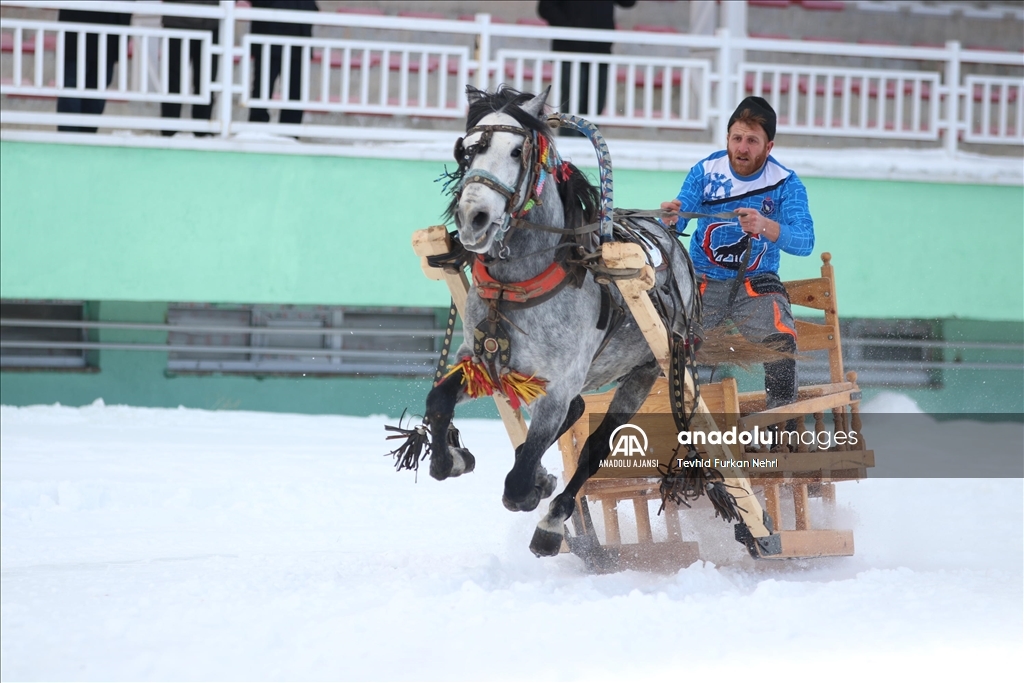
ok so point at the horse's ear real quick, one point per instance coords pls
(474, 95)
(536, 106)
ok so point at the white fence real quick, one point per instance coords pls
(420, 67)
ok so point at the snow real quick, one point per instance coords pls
(182, 544)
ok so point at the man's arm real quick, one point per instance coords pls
(796, 228)
(688, 199)
(794, 232)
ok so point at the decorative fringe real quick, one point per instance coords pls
(721, 498)
(519, 388)
(681, 485)
(415, 448)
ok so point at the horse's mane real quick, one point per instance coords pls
(580, 199)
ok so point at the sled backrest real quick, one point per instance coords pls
(819, 293)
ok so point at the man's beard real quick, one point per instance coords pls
(757, 163)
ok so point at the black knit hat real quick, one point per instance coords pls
(758, 106)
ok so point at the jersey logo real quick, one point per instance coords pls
(729, 255)
(767, 206)
(719, 186)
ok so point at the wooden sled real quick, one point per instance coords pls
(794, 479)
(804, 474)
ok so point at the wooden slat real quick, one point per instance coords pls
(671, 513)
(773, 505)
(611, 522)
(815, 543)
(812, 477)
(811, 293)
(815, 337)
(667, 557)
(754, 401)
(767, 418)
(432, 241)
(816, 461)
(800, 507)
(643, 521)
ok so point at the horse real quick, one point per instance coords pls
(535, 325)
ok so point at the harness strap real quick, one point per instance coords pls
(532, 291)
(446, 345)
(582, 230)
(477, 175)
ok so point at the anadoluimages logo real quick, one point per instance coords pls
(628, 441)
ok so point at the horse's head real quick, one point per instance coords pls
(497, 159)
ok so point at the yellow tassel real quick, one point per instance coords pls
(519, 388)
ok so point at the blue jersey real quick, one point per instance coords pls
(717, 246)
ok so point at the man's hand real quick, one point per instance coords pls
(670, 208)
(757, 225)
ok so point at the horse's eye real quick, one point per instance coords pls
(517, 152)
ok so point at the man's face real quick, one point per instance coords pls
(748, 148)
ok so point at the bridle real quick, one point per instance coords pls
(529, 169)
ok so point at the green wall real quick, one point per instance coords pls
(112, 223)
(131, 229)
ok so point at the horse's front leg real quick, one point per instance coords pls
(529, 482)
(630, 395)
(447, 459)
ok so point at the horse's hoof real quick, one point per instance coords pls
(440, 467)
(527, 504)
(546, 486)
(545, 543)
(462, 461)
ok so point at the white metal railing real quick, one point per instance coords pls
(848, 102)
(420, 67)
(995, 108)
(367, 72)
(655, 91)
(128, 39)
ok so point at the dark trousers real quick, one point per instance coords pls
(77, 105)
(294, 86)
(172, 110)
(584, 91)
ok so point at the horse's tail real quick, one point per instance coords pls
(723, 346)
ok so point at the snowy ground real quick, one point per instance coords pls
(185, 544)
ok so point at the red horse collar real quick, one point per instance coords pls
(545, 284)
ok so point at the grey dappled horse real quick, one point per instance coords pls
(557, 340)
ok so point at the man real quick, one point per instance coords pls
(770, 204)
(596, 14)
(172, 110)
(94, 71)
(280, 28)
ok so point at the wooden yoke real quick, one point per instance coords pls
(626, 255)
(434, 241)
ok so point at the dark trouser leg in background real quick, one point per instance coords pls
(262, 115)
(584, 92)
(202, 112)
(172, 110)
(76, 105)
(295, 87)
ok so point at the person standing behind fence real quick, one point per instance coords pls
(79, 105)
(280, 28)
(599, 14)
(172, 110)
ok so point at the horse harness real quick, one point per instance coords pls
(491, 340)
(464, 156)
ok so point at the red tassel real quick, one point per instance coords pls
(519, 388)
